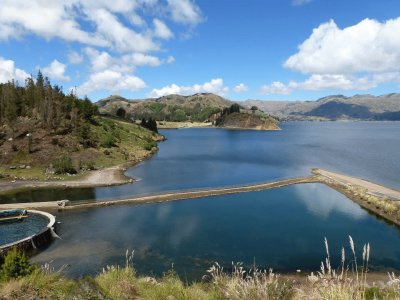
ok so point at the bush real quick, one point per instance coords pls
(64, 165)
(15, 265)
(86, 136)
(107, 141)
(150, 145)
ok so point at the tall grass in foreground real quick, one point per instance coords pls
(347, 281)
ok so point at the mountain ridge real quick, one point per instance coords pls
(199, 107)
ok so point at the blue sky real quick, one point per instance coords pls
(254, 49)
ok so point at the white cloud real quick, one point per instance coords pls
(161, 30)
(113, 35)
(359, 57)
(301, 2)
(55, 19)
(369, 46)
(137, 20)
(8, 71)
(75, 58)
(140, 59)
(185, 11)
(240, 88)
(105, 21)
(170, 60)
(100, 61)
(215, 86)
(110, 81)
(119, 36)
(56, 71)
(276, 87)
(318, 82)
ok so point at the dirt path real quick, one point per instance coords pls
(373, 189)
(105, 177)
(168, 196)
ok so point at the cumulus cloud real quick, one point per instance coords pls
(161, 30)
(74, 57)
(301, 2)
(275, 88)
(170, 60)
(104, 21)
(102, 60)
(9, 72)
(240, 88)
(215, 86)
(111, 81)
(185, 11)
(113, 35)
(358, 57)
(369, 46)
(56, 70)
(318, 82)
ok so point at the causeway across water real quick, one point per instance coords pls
(318, 175)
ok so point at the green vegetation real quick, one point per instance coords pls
(150, 124)
(44, 132)
(64, 165)
(15, 265)
(348, 281)
(177, 113)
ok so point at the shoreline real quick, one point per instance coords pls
(382, 201)
(110, 176)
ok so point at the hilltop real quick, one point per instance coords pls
(198, 107)
(336, 107)
(206, 107)
(46, 134)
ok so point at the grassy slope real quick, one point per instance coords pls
(123, 283)
(132, 143)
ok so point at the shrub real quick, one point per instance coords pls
(107, 141)
(15, 265)
(150, 145)
(64, 165)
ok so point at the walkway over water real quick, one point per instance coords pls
(330, 178)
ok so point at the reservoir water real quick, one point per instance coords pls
(283, 228)
(198, 158)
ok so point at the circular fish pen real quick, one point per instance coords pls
(29, 233)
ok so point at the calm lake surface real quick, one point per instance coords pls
(198, 158)
(283, 228)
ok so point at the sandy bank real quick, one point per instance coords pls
(104, 177)
(178, 125)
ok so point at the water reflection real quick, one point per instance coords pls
(324, 204)
(200, 158)
(283, 229)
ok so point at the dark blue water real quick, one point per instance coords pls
(11, 232)
(198, 158)
(282, 229)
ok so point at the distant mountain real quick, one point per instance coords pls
(338, 107)
(198, 107)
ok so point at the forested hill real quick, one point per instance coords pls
(46, 104)
(46, 131)
(197, 107)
